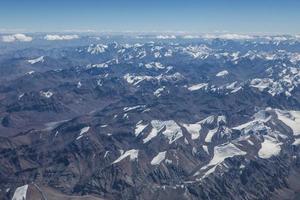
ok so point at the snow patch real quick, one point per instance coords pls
(193, 129)
(258, 122)
(132, 154)
(172, 131)
(270, 147)
(136, 79)
(30, 72)
(291, 119)
(210, 134)
(101, 65)
(157, 126)
(79, 84)
(96, 49)
(20, 193)
(158, 92)
(47, 94)
(106, 154)
(20, 96)
(199, 51)
(220, 154)
(222, 73)
(197, 86)
(82, 132)
(205, 148)
(139, 128)
(154, 65)
(158, 158)
(296, 142)
(36, 60)
(127, 109)
(208, 120)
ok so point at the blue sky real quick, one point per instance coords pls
(238, 16)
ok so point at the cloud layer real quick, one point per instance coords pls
(61, 37)
(16, 37)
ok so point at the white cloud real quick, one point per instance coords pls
(190, 36)
(236, 37)
(8, 38)
(165, 37)
(16, 37)
(61, 37)
(280, 38)
(229, 36)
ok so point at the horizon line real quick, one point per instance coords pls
(176, 33)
